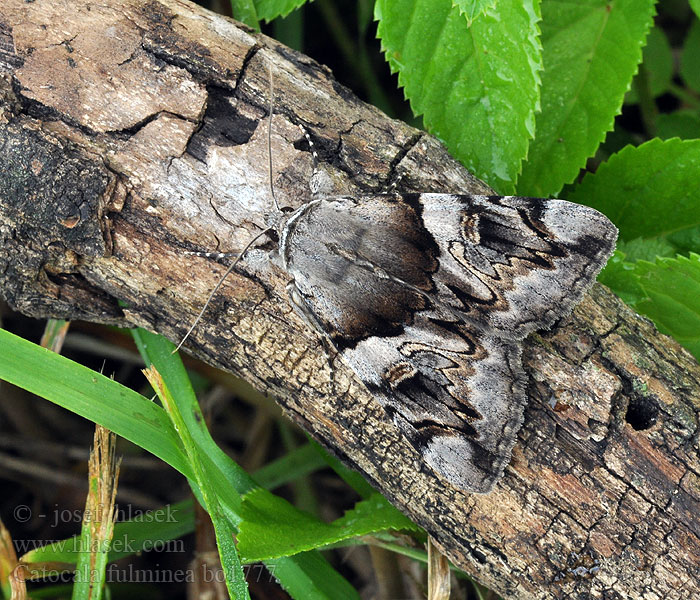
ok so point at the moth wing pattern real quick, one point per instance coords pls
(426, 297)
(513, 265)
(456, 395)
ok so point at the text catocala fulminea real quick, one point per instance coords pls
(427, 297)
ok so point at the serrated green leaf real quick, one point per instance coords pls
(272, 527)
(591, 49)
(690, 58)
(672, 297)
(667, 290)
(619, 275)
(472, 8)
(267, 10)
(683, 124)
(650, 250)
(373, 515)
(657, 58)
(695, 5)
(615, 141)
(649, 191)
(476, 87)
(244, 11)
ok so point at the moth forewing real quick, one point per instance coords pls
(427, 298)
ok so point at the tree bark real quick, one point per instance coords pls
(133, 131)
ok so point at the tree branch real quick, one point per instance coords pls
(119, 155)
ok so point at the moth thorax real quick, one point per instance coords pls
(321, 184)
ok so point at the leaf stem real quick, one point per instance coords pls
(646, 101)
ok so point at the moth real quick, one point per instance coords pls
(427, 297)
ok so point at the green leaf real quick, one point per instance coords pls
(619, 275)
(648, 191)
(657, 58)
(666, 290)
(272, 527)
(308, 576)
(672, 297)
(267, 10)
(304, 576)
(695, 5)
(146, 424)
(354, 479)
(690, 58)
(641, 249)
(289, 30)
(472, 8)
(591, 49)
(244, 11)
(224, 529)
(687, 240)
(477, 87)
(158, 351)
(293, 465)
(91, 395)
(373, 515)
(684, 124)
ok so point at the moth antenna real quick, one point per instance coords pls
(218, 255)
(269, 139)
(219, 284)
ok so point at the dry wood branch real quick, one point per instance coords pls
(131, 131)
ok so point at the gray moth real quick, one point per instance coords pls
(427, 297)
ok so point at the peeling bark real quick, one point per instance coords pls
(131, 131)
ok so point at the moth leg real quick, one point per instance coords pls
(391, 189)
(312, 148)
(320, 184)
(312, 322)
